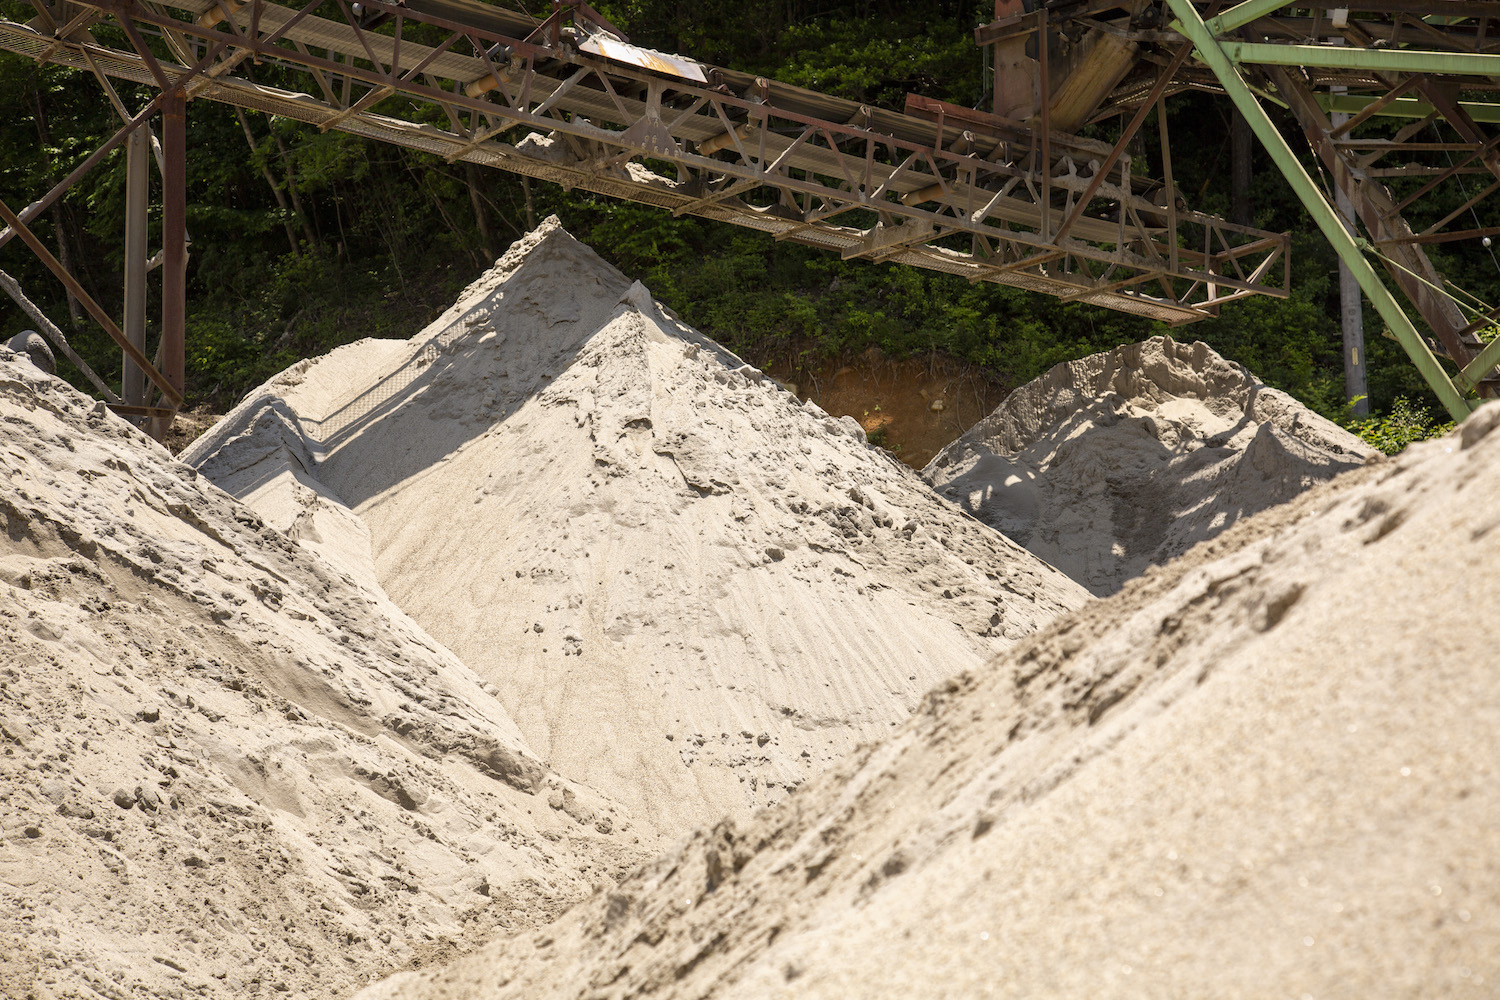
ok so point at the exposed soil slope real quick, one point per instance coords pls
(1125, 459)
(690, 590)
(1267, 769)
(228, 767)
(913, 407)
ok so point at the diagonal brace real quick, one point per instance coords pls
(87, 301)
(1209, 51)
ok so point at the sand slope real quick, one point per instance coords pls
(1125, 459)
(690, 591)
(229, 768)
(1266, 770)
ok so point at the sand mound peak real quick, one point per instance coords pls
(231, 766)
(1265, 769)
(1127, 458)
(691, 590)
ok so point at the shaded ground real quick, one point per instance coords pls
(189, 425)
(913, 407)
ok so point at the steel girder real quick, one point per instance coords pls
(1434, 63)
(1388, 74)
(991, 200)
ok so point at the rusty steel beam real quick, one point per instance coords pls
(1139, 118)
(87, 301)
(174, 244)
(832, 158)
(589, 119)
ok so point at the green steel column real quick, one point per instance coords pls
(1242, 14)
(1190, 25)
(1371, 60)
(1486, 359)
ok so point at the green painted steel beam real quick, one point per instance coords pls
(1190, 25)
(1482, 363)
(1403, 107)
(1369, 60)
(1242, 14)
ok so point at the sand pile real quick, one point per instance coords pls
(689, 590)
(1268, 769)
(1128, 458)
(230, 768)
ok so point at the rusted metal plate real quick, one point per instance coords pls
(650, 59)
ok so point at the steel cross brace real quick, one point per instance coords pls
(822, 133)
(832, 163)
(1210, 51)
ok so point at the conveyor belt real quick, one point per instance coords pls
(916, 182)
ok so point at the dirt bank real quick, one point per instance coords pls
(1266, 769)
(690, 589)
(1125, 459)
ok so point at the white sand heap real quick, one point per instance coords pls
(228, 768)
(1128, 458)
(690, 590)
(1266, 770)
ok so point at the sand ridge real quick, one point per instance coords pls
(1265, 769)
(690, 590)
(230, 767)
(1124, 459)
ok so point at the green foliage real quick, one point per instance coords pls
(1404, 423)
(865, 60)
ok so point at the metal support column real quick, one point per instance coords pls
(1351, 308)
(1352, 315)
(1189, 24)
(174, 246)
(137, 196)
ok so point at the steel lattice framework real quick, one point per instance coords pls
(1012, 195)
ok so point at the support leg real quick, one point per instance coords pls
(1351, 312)
(174, 246)
(137, 194)
(1352, 316)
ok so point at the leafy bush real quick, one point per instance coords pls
(1404, 423)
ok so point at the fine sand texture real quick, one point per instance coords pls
(228, 766)
(1267, 769)
(1125, 459)
(688, 589)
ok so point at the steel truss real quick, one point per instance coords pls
(1434, 64)
(1412, 61)
(991, 198)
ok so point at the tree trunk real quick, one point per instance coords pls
(64, 249)
(265, 171)
(530, 208)
(1242, 146)
(291, 190)
(421, 181)
(471, 174)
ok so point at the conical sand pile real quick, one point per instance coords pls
(690, 591)
(1268, 769)
(1125, 459)
(229, 768)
